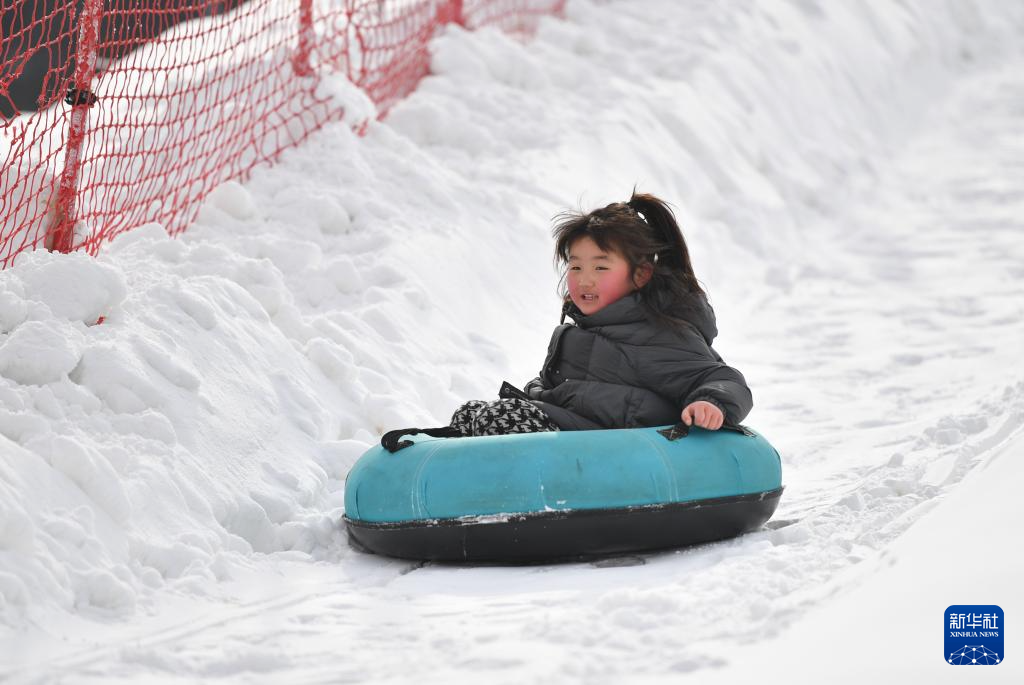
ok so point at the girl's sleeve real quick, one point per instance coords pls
(534, 388)
(726, 388)
(695, 373)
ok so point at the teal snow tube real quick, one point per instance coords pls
(559, 495)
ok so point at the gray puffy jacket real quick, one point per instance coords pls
(619, 369)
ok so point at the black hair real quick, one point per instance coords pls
(644, 231)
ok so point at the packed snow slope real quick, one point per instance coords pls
(178, 416)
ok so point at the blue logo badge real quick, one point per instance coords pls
(974, 635)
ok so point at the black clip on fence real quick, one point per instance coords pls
(80, 96)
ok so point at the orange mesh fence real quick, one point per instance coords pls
(117, 113)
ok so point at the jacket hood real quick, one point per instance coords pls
(696, 311)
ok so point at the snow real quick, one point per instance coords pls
(971, 520)
(847, 176)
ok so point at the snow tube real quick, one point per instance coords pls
(536, 497)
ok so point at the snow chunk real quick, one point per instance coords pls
(73, 286)
(115, 376)
(37, 353)
(339, 456)
(16, 530)
(103, 590)
(335, 361)
(90, 471)
(13, 309)
(358, 107)
(232, 198)
(12, 590)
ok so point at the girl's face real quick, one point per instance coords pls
(597, 278)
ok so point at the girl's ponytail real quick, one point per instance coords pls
(675, 257)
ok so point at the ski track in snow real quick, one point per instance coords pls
(911, 283)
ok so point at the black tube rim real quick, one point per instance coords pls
(566, 535)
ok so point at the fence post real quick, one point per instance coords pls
(81, 98)
(452, 12)
(300, 61)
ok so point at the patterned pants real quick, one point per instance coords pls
(500, 417)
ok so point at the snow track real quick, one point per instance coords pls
(865, 262)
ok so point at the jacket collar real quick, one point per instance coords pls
(630, 309)
(627, 309)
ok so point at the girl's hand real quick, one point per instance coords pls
(703, 414)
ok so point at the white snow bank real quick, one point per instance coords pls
(143, 449)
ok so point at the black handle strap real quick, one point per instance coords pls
(392, 442)
(681, 430)
(508, 391)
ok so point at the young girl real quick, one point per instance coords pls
(640, 351)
